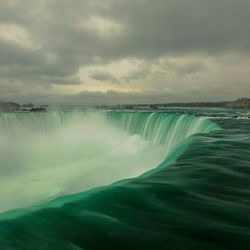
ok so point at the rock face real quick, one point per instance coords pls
(9, 106)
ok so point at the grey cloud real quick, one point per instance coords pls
(185, 69)
(104, 76)
(142, 72)
(175, 26)
(116, 97)
(151, 29)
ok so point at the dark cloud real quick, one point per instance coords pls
(176, 26)
(104, 77)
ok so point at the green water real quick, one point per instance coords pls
(195, 193)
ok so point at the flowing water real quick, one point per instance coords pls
(125, 180)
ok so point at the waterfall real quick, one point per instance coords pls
(54, 154)
(160, 128)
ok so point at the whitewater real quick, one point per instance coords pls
(59, 153)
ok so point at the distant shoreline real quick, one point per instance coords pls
(241, 103)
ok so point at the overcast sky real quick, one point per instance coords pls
(124, 51)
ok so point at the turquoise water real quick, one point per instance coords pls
(125, 180)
